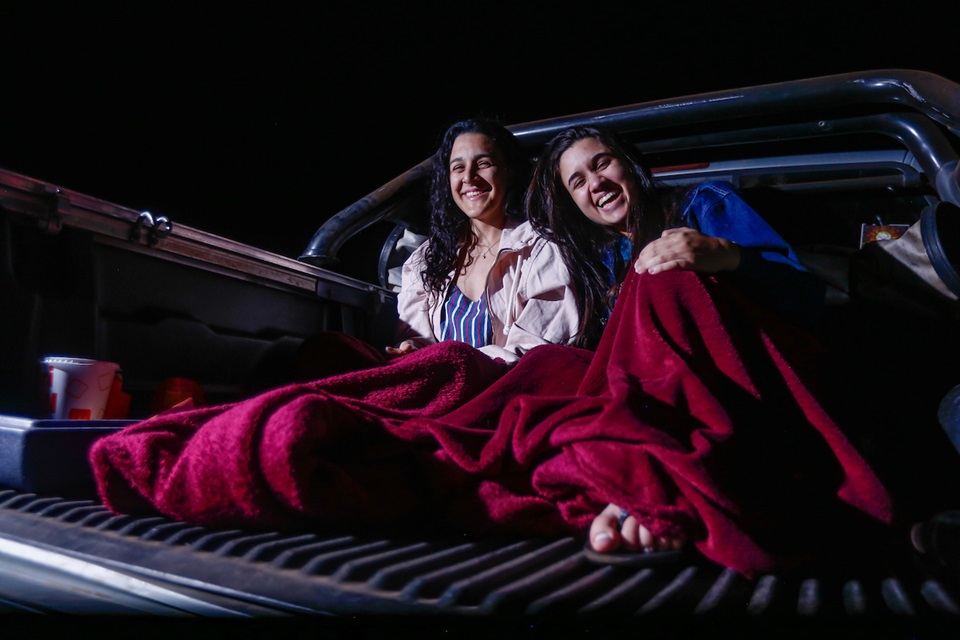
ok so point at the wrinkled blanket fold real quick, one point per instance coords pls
(695, 414)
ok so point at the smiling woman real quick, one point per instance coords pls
(472, 280)
(597, 182)
(647, 251)
(478, 181)
(598, 203)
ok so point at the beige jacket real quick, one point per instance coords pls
(529, 298)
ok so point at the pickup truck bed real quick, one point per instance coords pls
(819, 157)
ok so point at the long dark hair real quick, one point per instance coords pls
(553, 213)
(449, 227)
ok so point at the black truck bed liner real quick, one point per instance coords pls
(350, 575)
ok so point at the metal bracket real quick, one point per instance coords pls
(156, 228)
(52, 221)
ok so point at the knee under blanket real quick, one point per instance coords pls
(691, 414)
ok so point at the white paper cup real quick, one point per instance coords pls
(79, 387)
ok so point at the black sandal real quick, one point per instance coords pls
(638, 558)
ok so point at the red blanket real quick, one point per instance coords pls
(689, 415)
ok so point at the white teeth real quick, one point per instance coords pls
(605, 198)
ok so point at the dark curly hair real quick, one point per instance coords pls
(450, 233)
(553, 213)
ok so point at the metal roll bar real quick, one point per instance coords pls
(936, 98)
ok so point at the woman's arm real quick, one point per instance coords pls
(414, 308)
(723, 233)
(686, 248)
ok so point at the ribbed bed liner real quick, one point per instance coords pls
(354, 575)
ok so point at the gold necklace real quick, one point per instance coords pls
(483, 256)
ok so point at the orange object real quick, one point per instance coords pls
(173, 391)
(118, 402)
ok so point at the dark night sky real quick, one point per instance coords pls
(259, 124)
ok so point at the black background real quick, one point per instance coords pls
(257, 122)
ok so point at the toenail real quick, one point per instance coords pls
(600, 537)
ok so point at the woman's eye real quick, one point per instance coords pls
(604, 162)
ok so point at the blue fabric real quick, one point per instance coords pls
(769, 272)
(466, 320)
(714, 209)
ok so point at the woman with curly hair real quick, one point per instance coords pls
(484, 277)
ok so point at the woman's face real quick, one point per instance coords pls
(598, 182)
(478, 179)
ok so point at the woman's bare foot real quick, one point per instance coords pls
(612, 530)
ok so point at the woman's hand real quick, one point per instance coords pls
(686, 248)
(401, 349)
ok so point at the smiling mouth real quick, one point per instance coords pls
(606, 198)
(473, 193)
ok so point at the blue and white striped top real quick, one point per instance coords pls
(466, 320)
